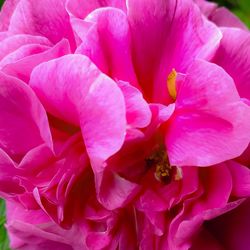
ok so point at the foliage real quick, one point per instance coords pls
(3, 234)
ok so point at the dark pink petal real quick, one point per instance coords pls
(233, 56)
(161, 35)
(23, 120)
(232, 228)
(210, 123)
(108, 44)
(40, 18)
(241, 179)
(216, 183)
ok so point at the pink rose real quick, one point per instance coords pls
(124, 124)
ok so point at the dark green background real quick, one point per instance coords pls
(240, 7)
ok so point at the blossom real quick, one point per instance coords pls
(123, 124)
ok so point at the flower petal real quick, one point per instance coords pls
(82, 95)
(23, 120)
(161, 35)
(23, 67)
(40, 18)
(204, 130)
(233, 56)
(108, 44)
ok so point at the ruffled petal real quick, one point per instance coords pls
(40, 18)
(161, 35)
(233, 56)
(108, 44)
(23, 120)
(80, 94)
(210, 123)
(21, 67)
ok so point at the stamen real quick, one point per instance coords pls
(164, 172)
(171, 83)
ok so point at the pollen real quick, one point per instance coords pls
(163, 171)
(159, 161)
(171, 83)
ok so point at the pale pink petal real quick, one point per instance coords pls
(161, 35)
(23, 118)
(6, 13)
(81, 8)
(204, 130)
(225, 18)
(23, 67)
(233, 56)
(12, 43)
(22, 52)
(40, 18)
(206, 7)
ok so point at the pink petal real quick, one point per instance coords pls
(9, 183)
(204, 130)
(79, 88)
(233, 56)
(32, 229)
(161, 35)
(108, 44)
(241, 179)
(113, 191)
(81, 8)
(22, 52)
(12, 43)
(225, 18)
(232, 228)
(23, 120)
(23, 67)
(211, 203)
(6, 13)
(40, 18)
(138, 112)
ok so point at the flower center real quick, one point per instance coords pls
(164, 172)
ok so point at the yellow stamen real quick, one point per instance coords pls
(171, 83)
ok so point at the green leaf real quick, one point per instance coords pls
(4, 241)
(1, 3)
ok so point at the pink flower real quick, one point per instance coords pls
(221, 16)
(123, 124)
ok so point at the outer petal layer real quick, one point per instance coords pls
(22, 119)
(210, 124)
